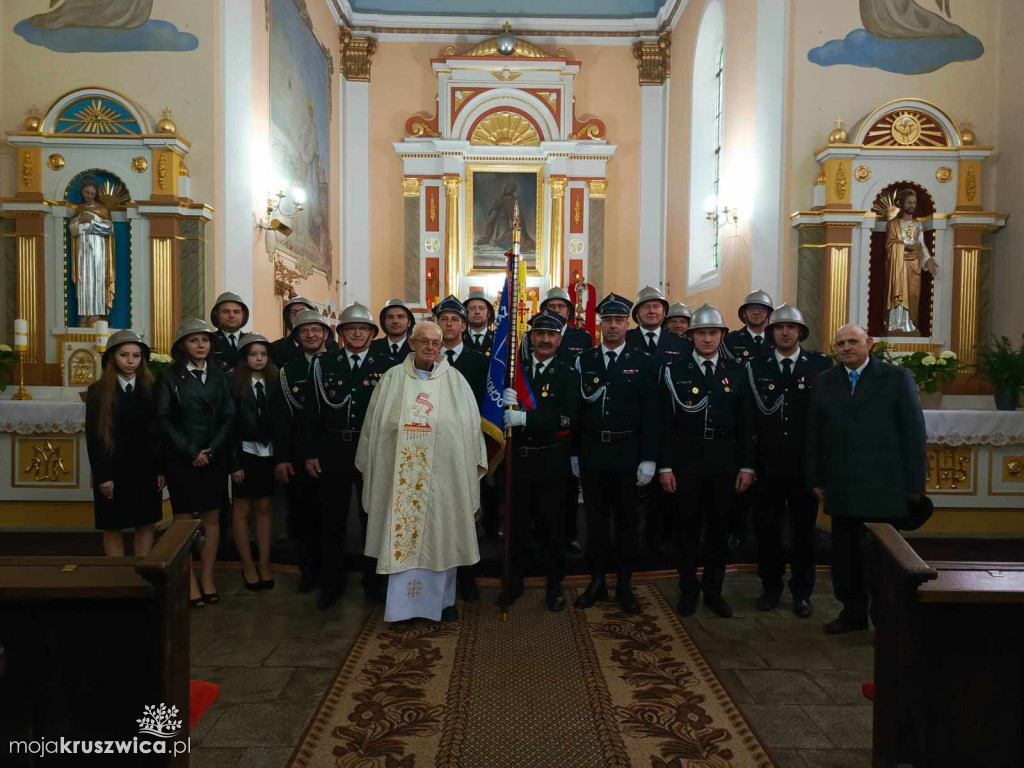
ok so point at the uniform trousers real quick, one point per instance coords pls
(781, 498)
(304, 520)
(539, 504)
(609, 500)
(703, 506)
(335, 500)
(570, 507)
(848, 580)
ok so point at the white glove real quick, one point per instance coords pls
(511, 397)
(515, 419)
(645, 472)
(574, 462)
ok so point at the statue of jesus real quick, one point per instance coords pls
(905, 247)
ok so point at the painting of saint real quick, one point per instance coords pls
(494, 196)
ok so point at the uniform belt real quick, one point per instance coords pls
(525, 450)
(608, 436)
(710, 433)
(347, 435)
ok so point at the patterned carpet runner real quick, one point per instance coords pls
(571, 689)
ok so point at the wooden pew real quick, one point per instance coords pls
(949, 658)
(88, 643)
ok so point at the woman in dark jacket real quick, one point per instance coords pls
(124, 452)
(196, 412)
(256, 389)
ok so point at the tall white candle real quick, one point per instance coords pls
(21, 342)
(102, 327)
(21, 326)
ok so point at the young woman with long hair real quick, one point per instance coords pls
(256, 390)
(124, 452)
(196, 413)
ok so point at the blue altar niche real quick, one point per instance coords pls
(114, 195)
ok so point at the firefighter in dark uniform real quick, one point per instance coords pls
(574, 341)
(397, 320)
(289, 346)
(782, 382)
(707, 455)
(649, 336)
(229, 316)
(479, 335)
(541, 457)
(618, 447)
(653, 339)
(677, 320)
(749, 341)
(451, 315)
(303, 491)
(339, 392)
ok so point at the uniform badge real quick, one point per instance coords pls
(728, 390)
(366, 382)
(295, 389)
(746, 352)
(543, 394)
(771, 386)
(564, 421)
(799, 386)
(695, 390)
(596, 379)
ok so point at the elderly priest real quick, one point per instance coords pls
(422, 455)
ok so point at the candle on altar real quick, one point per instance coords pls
(21, 335)
(102, 328)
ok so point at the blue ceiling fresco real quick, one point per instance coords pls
(596, 9)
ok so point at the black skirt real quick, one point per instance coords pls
(196, 489)
(136, 503)
(259, 477)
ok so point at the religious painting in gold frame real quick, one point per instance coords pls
(491, 193)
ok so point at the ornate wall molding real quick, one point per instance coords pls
(356, 56)
(653, 59)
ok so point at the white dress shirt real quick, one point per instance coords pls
(456, 350)
(125, 382)
(361, 355)
(189, 367)
(779, 357)
(655, 331)
(249, 446)
(618, 352)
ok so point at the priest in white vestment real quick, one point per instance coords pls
(422, 454)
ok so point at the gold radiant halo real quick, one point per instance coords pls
(98, 119)
(505, 129)
(114, 196)
(906, 129)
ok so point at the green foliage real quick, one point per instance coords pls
(1001, 364)
(8, 359)
(929, 371)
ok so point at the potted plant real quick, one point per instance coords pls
(8, 359)
(930, 372)
(157, 362)
(1003, 367)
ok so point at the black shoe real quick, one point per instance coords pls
(307, 581)
(197, 603)
(596, 591)
(451, 613)
(842, 625)
(252, 586)
(210, 598)
(326, 599)
(266, 583)
(769, 600)
(574, 548)
(802, 607)
(687, 605)
(627, 600)
(555, 600)
(718, 605)
(468, 590)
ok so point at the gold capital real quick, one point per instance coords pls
(598, 188)
(410, 186)
(356, 53)
(653, 58)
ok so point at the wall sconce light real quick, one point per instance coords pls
(727, 216)
(276, 203)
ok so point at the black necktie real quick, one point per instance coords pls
(355, 363)
(709, 370)
(261, 399)
(450, 354)
(394, 349)
(611, 359)
(757, 342)
(476, 340)
(652, 345)
(538, 369)
(128, 389)
(787, 368)
(198, 374)
(231, 338)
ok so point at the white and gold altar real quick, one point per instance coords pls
(338, 153)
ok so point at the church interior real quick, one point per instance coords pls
(323, 153)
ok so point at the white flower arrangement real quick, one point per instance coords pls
(948, 354)
(928, 360)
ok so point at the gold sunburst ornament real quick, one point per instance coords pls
(97, 119)
(505, 129)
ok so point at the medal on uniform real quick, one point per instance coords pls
(596, 379)
(543, 394)
(728, 390)
(746, 352)
(366, 382)
(771, 387)
(295, 389)
(695, 390)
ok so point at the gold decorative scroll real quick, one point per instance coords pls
(950, 469)
(55, 162)
(837, 182)
(451, 262)
(863, 173)
(423, 126)
(30, 177)
(558, 185)
(944, 174)
(356, 55)
(524, 49)
(653, 59)
(1013, 469)
(505, 129)
(44, 461)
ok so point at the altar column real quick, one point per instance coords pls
(966, 287)
(356, 53)
(452, 182)
(558, 185)
(835, 285)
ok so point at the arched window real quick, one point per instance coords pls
(706, 131)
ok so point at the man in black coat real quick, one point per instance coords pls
(479, 336)
(707, 456)
(649, 336)
(782, 382)
(289, 346)
(229, 316)
(397, 320)
(865, 458)
(749, 341)
(618, 441)
(452, 316)
(540, 462)
(340, 388)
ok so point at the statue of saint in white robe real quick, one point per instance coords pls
(92, 259)
(422, 454)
